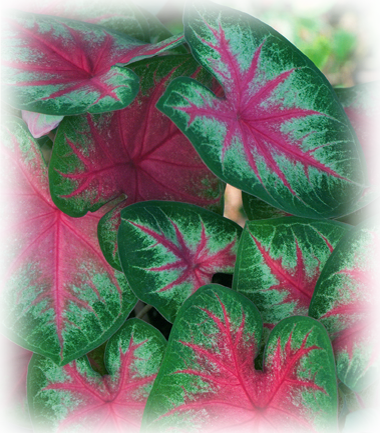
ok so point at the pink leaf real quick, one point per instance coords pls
(61, 297)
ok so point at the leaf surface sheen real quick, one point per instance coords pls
(168, 250)
(279, 133)
(14, 362)
(114, 402)
(57, 66)
(361, 103)
(120, 15)
(279, 262)
(210, 357)
(136, 151)
(60, 297)
(346, 302)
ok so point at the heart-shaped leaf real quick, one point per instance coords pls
(168, 250)
(76, 398)
(279, 262)
(14, 362)
(59, 296)
(279, 133)
(40, 124)
(208, 383)
(136, 151)
(361, 103)
(365, 420)
(120, 15)
(57, 66)
(346, 302)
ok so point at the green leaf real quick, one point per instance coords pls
(168, 250)
(279, 262)
(208, 382)
(76, 398)
(58, 66)
(279, 133)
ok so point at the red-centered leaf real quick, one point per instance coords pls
(168, 250)
(57, 66)
(361, 103)
(208, 383)
(40, 124)
(14, 362)
(346, 302)
(279, 262)
(136, 151)
(279, 133)
(76, 398)
(124, 17)
(59, 296)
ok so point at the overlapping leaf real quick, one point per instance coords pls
(121, 15)
(40, 124)
(279, 133)
(346, 302)
(57, 66)
(14, 362)
(168, 250)
(136, 151)
(59, 296)
(208, 382)
(257, 209)
(76, 398)
(361, 104)
(279, 262)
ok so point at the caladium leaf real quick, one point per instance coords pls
(361, 103)
(168, 250)
(136, 151)
(208, 383)
(346, 302)
(14, 408)
(121, 15)
(59, 296)
(57, 66)
(40, 124)
(365, 420)
(76, 398)
(279, 133)
(279, 262)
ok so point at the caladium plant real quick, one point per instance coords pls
(118, 138)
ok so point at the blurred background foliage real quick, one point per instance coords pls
(334, 35)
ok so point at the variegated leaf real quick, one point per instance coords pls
(76, 398)
(120, 15)
(58, 66)
(279, 133)
(279, 262)
(40, 124)
(14, 362)
(346, 302)
(59, 296)
(136, 151)
(208, 382)
(168, 250)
